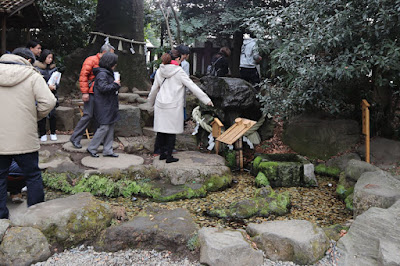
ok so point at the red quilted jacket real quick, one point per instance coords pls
(87, 77)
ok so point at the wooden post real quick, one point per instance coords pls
(216, 132)
(240, 144)
(365, 128)
(3, 34)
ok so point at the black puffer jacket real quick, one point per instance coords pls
(105, 97)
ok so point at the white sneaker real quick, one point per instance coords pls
(53, 136)
(43, 138)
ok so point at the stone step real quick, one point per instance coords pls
(142, 93)
(149, 132)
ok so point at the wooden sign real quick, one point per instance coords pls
(236, 131)
(235, 134)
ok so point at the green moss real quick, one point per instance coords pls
(261, 180)
(322, 169)
(216, 183)
(230, 157)
(343, 192)
(193, 243)
(256, 163)
(333, 231)
(349, 202)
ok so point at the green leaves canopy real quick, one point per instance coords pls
(68, 24)
(327, 55)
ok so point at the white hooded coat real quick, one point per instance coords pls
(167, 97)
(25, 98)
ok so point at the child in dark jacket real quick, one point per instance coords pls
(105, 105)
(45, 64)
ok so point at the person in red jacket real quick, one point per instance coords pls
(86, 83)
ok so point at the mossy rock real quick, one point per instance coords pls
(344, 188)
(349, 202)
(282, 170)
(261, 180)
(112, 186)
(322, 169)
(333, 231)
(265, 203)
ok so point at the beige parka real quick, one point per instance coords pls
(25, 98)
(167, 97)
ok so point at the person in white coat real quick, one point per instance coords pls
(167, 97)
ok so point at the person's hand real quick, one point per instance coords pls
(52, 87)
(210, 103)
(85, 97)
(118, 82)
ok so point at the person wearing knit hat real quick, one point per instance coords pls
(25, 53)
(24, 99)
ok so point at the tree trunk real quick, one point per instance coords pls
(237, 47)
(124, 18)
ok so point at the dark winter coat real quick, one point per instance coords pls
(47, 71)
(105, 97)
(221, 65)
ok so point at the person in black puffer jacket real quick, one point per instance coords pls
(105, 105)
(45, 64)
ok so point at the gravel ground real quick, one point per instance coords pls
(88, 257)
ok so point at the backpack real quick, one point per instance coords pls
(211, 70)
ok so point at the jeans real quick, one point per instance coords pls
(29, 164)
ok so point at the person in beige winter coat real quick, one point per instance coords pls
(24, 99)
(167, 97)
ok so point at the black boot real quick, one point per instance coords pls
(171, 159)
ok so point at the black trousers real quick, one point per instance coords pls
(250, 74)
(52, 120)
(166, 143)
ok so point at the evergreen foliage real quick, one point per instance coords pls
(328, 55)
(68, 24)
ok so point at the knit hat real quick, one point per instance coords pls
(25, 53)
(183, 49)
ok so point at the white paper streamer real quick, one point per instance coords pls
(196, 129)
(245, 139)
(230, 147)
(211, 142)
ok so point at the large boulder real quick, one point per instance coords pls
(67, 221)
(222, 247)
(296, 240)
(73, 64)
(342, 160)
(232, 98)
(23, 246)
(192, 167)
(355, 168)
(64, 121)
(375, 189)
(320, 138)
(373, 238)
(4, 225)
(151, 229)
(383, 152)
(129, 125)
